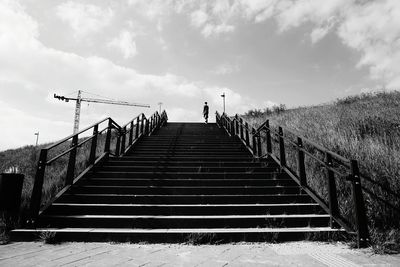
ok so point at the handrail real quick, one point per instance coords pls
(140, 124)
(236, 126)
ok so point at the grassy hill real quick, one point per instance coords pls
(365, 127)
(26, 159)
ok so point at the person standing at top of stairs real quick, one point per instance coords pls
(205, 111)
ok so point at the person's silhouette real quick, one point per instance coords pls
(205, 112)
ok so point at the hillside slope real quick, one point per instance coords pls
(366, 128)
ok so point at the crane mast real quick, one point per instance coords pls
(79, 99)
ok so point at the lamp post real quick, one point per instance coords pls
(223, 99)
(37, 138)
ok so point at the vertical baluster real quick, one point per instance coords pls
(130, 133)
(118, 144)
(232, 127)
(282, 152)
(332, 193)
(108, 137)
(93, 147)
(259, 149)
(237, 125)
(123, 132)
(241, 128)
(71, 162)
(146, 126)
(268, 137)
(36, 197)
(358, 200)
(137, 127)
(142, 125)
(246, 125)
(301, 167)
(254, 142)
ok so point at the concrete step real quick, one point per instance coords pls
(159, 174)
(185, 190)
(189, 209)
(192, 221)
(188, 235)
(186, 169)
(208, 158)
(126, 162)
(184, 199)
(187, 182)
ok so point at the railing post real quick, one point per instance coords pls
(108, 137)
(236, 125)
(268, 137)
(118, 144)
(93, 147)
(232, 128)
(131, 133)
(241, 128)
(123, 132)
(137, 127)
(142, 125)
(246, 125)
(301, 167)
(72, 159)
(332, 192)
(146, 126)
(282, 153)
(361, 217)
(36, 197)
(254, 142)
(259, 149)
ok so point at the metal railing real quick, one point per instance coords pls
(275, 143)
(124, 138)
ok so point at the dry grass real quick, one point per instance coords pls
(26, 159)
(365, 128)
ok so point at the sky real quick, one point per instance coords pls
(185, 52)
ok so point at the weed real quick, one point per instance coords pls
(48, 237)
(366, 128)
(202, 239)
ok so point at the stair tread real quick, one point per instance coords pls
(184, 230)
(266, 216)
(185, 205)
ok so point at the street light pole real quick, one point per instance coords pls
(223, 98)
(37, 138)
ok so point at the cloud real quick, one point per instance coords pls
(125, 44)
(198, 18)
(226, 68)
(21, 121)
(370, 27)
(34, 70)
(84, 19)
(152, 9)
(235, 102)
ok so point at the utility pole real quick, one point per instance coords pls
(37, 138)
(223, 99)
(160, 104)
(79, 99)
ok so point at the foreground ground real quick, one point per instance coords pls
(242, 254)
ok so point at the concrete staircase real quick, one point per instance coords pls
(188, 181)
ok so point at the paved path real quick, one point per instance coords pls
(242, 254)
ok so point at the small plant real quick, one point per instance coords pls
(48, 237)
(202, 239)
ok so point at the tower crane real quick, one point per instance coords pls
(80, 99)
